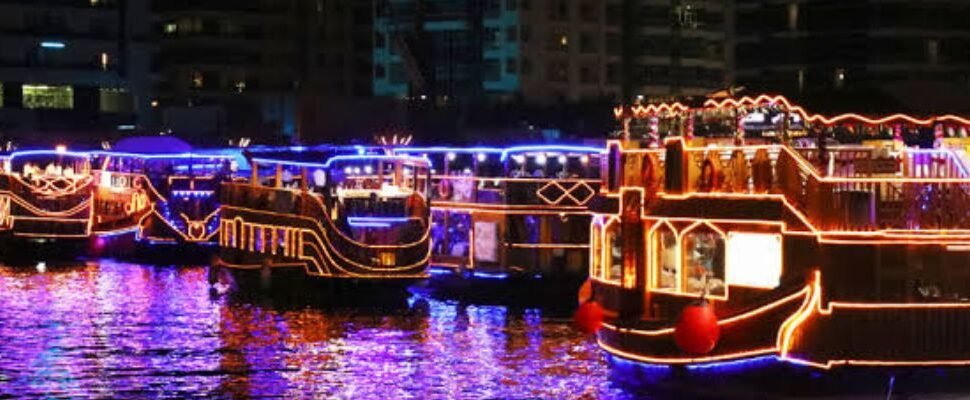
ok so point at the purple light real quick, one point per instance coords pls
(193, 193)
(119, 232)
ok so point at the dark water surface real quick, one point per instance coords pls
(112, 330)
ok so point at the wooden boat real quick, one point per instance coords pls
(45, 197)
(517, 212)
(827, 258)
(158, 190)
(325, 213)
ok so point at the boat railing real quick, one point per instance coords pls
(520, 191)
(310, 211)
(903, 203)
(919, 198)
(48, 196)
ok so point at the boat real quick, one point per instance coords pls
(45, 202)
(517, 213)
(158, 190)
(839, 264)
(347, 214)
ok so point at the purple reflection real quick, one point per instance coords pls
(114, 330)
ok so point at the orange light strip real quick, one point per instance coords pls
(548, 245)
(727, 321)
(751, 101)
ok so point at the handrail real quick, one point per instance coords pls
(932, 198)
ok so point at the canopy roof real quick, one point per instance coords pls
(152, 145)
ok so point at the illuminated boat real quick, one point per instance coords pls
(159, 191)
(338, 213)
(518, 212)
(45, 197)
(833, 259)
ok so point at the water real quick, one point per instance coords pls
(112, 330)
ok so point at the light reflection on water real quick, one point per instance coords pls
(113, 329)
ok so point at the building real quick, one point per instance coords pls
(462, 56)
(259, 68)
(228, 68)
(74, 69)
(880, 55)
(672, 47)
(549, 50)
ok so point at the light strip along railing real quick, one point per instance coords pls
(310, 207)
(923, 205)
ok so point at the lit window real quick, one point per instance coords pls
(703, 254)
(105, 61)
(197, 80)
(665, 253)
(171, 28)
(754, 259)
(43, 96)
(240, 86)
(114, 100)
(614, 243)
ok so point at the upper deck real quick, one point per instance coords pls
(527, 179)
(338, 212)
(878, 189)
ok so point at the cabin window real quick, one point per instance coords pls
(614, 240)
(703, 254)
(458, 232)
(754, 259)
(665, 258)
(438, 229)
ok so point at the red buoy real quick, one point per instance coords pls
(697, 330)
(589, 317)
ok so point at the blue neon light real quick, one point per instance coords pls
(490, 275)
(340, 158)
(742, 363)
(164, 156)
(52, 45)
(445, 149)
(390, 220)
(440, 271)
(119, 232)
(193, 193)
(49, 153)
(369, 224)
(506, 151)
(552, 148)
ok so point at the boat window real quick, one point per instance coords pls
(665, 258)
(703, 254)
(754, 259)
(614, 240)
(438, 229)
(457, 232)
